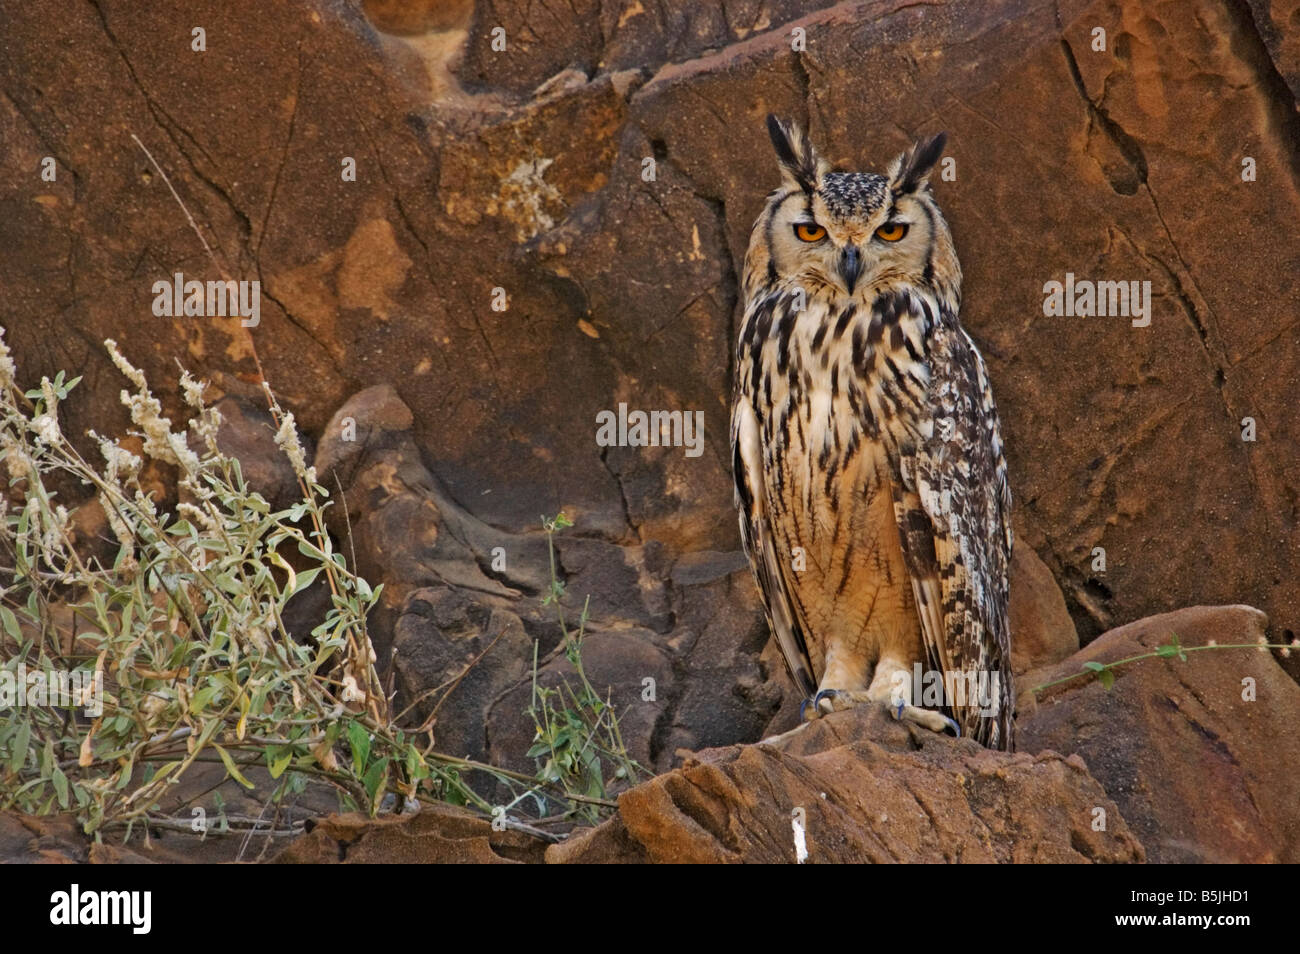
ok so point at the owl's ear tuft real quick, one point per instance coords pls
(911, 170)
(794, 151)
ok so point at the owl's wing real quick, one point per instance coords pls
(783, 613)
(953, 506)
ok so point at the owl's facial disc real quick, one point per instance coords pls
(848, 233)
(853, 233)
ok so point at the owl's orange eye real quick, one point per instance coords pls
(808, 232)
(891, 231)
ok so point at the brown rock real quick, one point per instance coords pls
(25, 839)
(413, 17)
(600, 36)
(1042, 631)
(477, 651)
(365, 421)
(438, 834)
(616, 663)
(247, 433)
(56, 840)
(1200, 774)
(870, 790)
(390, 278)
(1277, 23)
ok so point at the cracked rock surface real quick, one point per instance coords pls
(599, 178)
(1122, 164)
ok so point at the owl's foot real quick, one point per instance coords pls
(825, 702)
(834, 700)
(927, 718)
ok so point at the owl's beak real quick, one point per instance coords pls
(850, 266)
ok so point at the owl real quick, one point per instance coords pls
(868, 461)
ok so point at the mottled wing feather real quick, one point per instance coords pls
(917, 536)
(783, 614)
(953, 506)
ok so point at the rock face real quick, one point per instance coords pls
(678, 640)
(1200, 756)
(538, 233)
(622, 289)
(464, 605)
(57, 840)
(1043, 631)
(870, 790)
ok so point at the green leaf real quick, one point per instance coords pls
(1106, 677)
(375, 779)
(1167, 652)
(308, 549)
(18, 755)
(359, 742)
(280, 763)
(199, 701)
(452, 791)
(60, 786)
(305, 580)
(1093, 666)
(416, 768)
(10, 622)
(165, 770)
(231, 767)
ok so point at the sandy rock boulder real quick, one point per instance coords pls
(1201, 756)
(1042, 631)
(870, 791)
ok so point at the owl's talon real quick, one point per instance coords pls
(829, 696)
(936, 722)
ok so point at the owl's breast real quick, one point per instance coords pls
(835, 389)
(852, 369)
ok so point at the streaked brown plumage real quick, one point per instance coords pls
(870, 477)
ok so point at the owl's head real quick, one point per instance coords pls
(852, 233)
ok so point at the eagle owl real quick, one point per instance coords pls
(868, 463)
